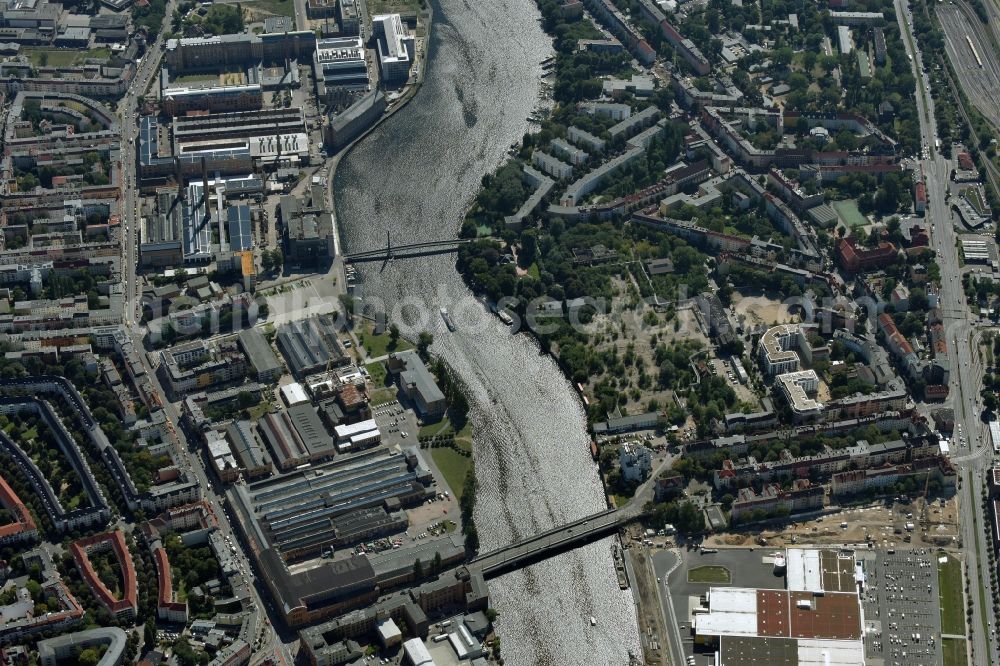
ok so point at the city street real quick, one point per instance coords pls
(970, 438)
(266, 643)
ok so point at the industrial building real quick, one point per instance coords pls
(177, 100)
(307, 231)
(339, 64)
(157, 160)
(356, 436)
(310, 345)
(238, 222)
(250, 455)
(210, 53)
(265, 362)
(296, 437)
(417, 383)
(395, 48)
(342, 502)
(347, 125)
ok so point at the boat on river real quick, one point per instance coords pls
(448, 321)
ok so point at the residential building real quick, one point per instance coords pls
(62, 649)
(772, 501)
(125, 606)
(636, 462)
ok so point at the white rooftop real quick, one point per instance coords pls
(803, 571)
(352, 429)
(294, 394)
(823, 652)
(732, 612)
(417, 652)
(388, 630)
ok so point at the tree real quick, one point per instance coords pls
(88, 657)
(418, 569)
(347, 302)
(529, 248)
(424, 342)
(393, 336)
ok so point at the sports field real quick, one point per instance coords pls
(849, 213)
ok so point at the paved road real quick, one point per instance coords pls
(966, 374)
(271, 645)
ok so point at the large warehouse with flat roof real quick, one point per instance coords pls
(817, 620)
(298, 514)
(289, 522)
(310, 344)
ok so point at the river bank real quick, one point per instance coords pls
(415, 175)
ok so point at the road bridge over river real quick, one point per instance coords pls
(552, 542)
(406, 251)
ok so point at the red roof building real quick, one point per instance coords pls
(920, 196)
(854, 259)
(167, 608)
(965, 161)
(127, 605)
(23, 527)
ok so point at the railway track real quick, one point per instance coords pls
(992, 173)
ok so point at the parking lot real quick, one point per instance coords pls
(901, 607)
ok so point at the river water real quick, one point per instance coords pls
(414, 176)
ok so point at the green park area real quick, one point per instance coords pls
(950, 592)
(378, 373)
(62, 57)
(849, 214)
(381, 343)
(452, 454)
(709, 574)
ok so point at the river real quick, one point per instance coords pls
(414, 176)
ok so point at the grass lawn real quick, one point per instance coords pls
(454, 466)
(381, 396)
(258, 411)
(953, 651)
(197, 77)
(621, 500)
(378, 373)
(709, 574)
(270, 7)
(432, 429)
(379, 345)
(63, 57)
(55, 58)
(950, 588)
(849, 213)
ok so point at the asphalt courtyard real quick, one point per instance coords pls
(746, 567)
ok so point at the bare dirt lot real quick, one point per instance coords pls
(885, 524)
(755, 310)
